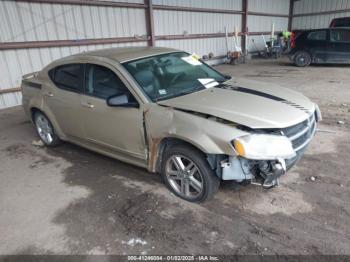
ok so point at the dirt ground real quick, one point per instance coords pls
(68, 200)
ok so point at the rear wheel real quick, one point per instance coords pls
(302, 59)
(187, 173)
(45, 130)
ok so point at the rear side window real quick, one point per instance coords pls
(340, 35)
(317, 35)
(68, 77)
(342, 22)
(102, 82)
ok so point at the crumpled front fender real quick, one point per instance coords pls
(206, 134)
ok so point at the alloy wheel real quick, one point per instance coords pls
(184, 176)
(44, 129)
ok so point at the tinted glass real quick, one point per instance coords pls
(102, 82)
(344, 22)
(69, 77)
(52, 74)
(317, 35)
(171, 75)
(340, 35)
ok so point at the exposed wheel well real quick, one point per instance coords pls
(167, 143)
(306, 51)
(33, 110)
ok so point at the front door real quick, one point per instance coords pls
(117, 129)
(339, 46)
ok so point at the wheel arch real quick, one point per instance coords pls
(312, 56)
(53, 121)
(33, 110)
(159, 146)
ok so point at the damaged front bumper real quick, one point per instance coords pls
(265, 173)
(270, 177)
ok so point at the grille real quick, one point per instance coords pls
(301, 134)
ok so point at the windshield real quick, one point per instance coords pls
(170, 75)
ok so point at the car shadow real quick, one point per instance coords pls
(313, 65)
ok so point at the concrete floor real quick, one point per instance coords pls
(68, 200)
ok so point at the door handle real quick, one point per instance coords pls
(49, 94)
(87, 104)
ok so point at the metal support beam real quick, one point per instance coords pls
(61, 43)
(290, 17)
(10, 90)
(201, 36)
(87, 2)
(323, 13)
(195, 9)
(244, 29)
(150, 22)
(99, 41)
(267, 14)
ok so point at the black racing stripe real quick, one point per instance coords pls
(257, 93)
(31, 84)
(262, 94)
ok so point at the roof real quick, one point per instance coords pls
(123, 54)
(320, 29)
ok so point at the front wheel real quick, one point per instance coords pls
(302, 59)
(45, 130)
(187, 173)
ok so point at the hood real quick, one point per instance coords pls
(248, 103)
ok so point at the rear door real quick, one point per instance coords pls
(339, 46)
(116, 129)
(317, 45)
(63, 97)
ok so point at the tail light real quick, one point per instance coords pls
(292, 40)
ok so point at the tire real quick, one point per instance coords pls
(45, 130)
(191, 179)
(302, 59)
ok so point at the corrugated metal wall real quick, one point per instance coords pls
(22, 22)
(258, 23)
(41, 22)
(169, 22)
(318, 21)
(180, 22)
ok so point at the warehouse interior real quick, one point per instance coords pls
(34, 33)
(71, 201)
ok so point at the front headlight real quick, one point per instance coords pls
(264, 147)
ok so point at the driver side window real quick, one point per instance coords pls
(102, 82)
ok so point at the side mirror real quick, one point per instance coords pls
(228, 77)
(121, 100)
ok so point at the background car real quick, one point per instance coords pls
(340, 22)
(329, 45)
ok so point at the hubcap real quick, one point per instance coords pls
(302, 59)
(184, 176)
(44, 129)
